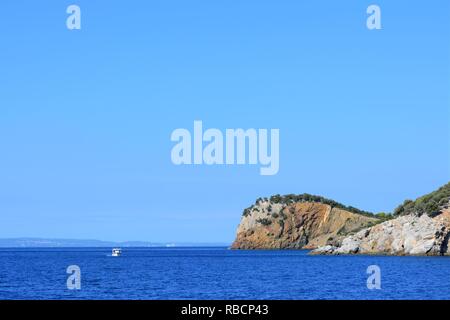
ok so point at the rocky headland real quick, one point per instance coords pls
(296, 222)
(419, 227)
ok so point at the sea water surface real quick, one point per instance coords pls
(216, 273)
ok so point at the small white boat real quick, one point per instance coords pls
(116, 252)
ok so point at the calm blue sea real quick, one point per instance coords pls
(216, 273)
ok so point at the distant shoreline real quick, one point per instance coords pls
(86, 243)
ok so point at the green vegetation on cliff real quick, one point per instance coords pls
(431, 204)
(305, 197)
(264, 221)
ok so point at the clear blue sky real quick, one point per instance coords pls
(86, 116)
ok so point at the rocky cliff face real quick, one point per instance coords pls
(421, 227)
(271, 225)
(405, 235)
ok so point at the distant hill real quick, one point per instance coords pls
(74, 243)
